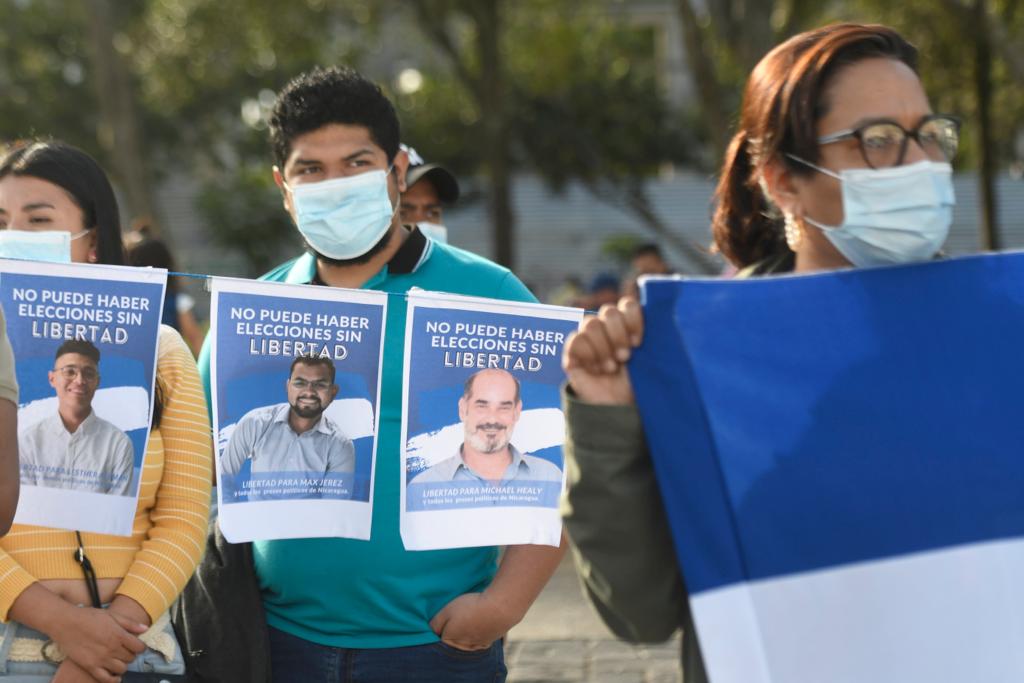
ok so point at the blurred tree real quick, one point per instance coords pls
(470, 33)
(620, 248)
(581, 102)
(724, 40)
(44, 73)
(972, 64)
(245, 207)
(118, 130)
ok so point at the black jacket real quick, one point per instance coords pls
(219, 617)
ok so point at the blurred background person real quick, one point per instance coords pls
(430, 188)
(179, 307)
(647, 259)
(567, 293)
(603, 289)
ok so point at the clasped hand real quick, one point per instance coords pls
(99, 642)
(472, 622)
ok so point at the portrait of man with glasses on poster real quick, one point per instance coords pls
(294, 438)
(75, 448)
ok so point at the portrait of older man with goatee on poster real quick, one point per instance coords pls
(489, 409)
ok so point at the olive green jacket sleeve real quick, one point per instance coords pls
(8, 383)
(616, 523)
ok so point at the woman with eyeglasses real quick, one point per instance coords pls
(62, 621)
(838, 162)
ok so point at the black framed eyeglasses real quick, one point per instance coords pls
(318, 385)
(883, 143)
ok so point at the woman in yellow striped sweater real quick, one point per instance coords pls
(50, 631)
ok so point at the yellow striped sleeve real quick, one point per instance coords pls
(13, 582)
(175, 541)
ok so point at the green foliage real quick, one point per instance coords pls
(597, 113)
(584, 100)
(943, 34)
(245, 208)
(620, 248)
(44, 73)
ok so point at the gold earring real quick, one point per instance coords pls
(794, 234)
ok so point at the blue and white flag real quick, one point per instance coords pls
(296, 376)
(482, 427)
(840, 460)
(85, 347)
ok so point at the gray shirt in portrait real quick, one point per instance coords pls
(522, 468)
(264, 436)
(97, 457)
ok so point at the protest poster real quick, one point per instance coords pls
(85, 343)
(839, 460)
(482, 427)
(296, 378)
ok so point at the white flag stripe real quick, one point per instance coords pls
(940, 616)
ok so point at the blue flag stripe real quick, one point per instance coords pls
(855, 416)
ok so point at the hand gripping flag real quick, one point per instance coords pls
(840, 458)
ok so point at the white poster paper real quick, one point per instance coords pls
(84, 339)
(482, 427)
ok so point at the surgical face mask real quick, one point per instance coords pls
(343, 218)
(891, 215)
(438, 233)
(53, 246)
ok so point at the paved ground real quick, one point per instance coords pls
(562, 639)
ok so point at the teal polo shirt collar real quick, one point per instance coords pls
(413, 253)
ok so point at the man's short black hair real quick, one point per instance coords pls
(313, 361)
(648, 249)
(81, 347)
(337, 94)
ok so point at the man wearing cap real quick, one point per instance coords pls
(429, 188)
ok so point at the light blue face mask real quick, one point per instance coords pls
(343, 218)
(891, 215)
(436, 232)
(53, 246)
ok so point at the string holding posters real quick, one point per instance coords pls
(482, 427)
(85, 344)
(296, 377)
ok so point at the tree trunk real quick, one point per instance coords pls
(756, 28)
(118, 131)
(702, 66)
(999, 40)
(989, 229)
(487, 14)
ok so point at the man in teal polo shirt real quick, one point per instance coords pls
(370, 611)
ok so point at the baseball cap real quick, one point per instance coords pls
(443, 180)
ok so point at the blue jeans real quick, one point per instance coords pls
(295, 660)
(41, 672)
